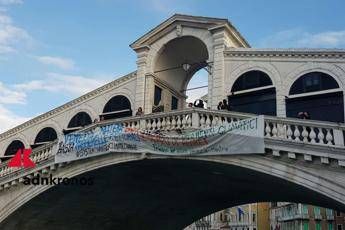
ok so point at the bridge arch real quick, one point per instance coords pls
(253, 92)
(13, 147)
(80, 119)
(116, 107)
(203, 183)
(317, 93)
(45, 135)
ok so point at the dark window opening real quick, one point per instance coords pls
(117, 107)
(157, 95)
(44, 136)
(174, 103)
(312, 82)
(250, 80)
(323, 107)
(13, 148)
(81, 119)
(257, 102)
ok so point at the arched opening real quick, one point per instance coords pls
(253, 92)
(46, 135)
(197, 88)
(319, 95)
(177, 62)
(190, 188)
(78, 121)
(12, 149)
(117, 107)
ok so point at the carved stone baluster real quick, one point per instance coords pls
(312, 135)
(329, 137)
(274, 130)
(321, 136)
(168, 123)
(184, 121)
(305, 134)
(159, 124)
(154, 124)
(208, 121)
(163, 123)
(296, 133)
(173, 123)
(189, 120)
(268, 130)
(289, 132)
(149, 125)
(179, 122)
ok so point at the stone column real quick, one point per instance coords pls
(140, 82)
(217, 89)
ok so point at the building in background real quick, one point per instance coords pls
(293, 216)
(339, 218)
(245, 217)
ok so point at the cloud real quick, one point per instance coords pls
(12, 37)
(297, 38)
(60, 83)
(9, 120)
(63, 63)
(10, 2)
(55, 83)
(9, 96)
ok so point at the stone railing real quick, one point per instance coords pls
(281, 129)
(39, 155)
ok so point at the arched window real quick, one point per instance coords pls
(44, 136)
(13, 148)
(319, 95)
(116, 107)
(78, 121)
(81, 119)
(253, 92)
(312, 82)
(250, 80)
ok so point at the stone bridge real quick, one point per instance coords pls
(304, 162)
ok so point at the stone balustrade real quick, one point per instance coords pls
(317, 133)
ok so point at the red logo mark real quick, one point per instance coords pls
(22, 159)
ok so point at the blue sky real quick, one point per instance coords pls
(53, 51)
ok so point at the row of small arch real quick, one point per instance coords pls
(117, 106)
(309, 82)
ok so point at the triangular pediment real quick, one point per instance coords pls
(176, 20)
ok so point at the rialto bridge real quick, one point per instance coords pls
(304, 160)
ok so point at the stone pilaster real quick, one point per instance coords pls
(217, 88)
(140, 82)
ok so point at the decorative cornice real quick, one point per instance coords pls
(285, 53)
(207, 22)
(68, 105)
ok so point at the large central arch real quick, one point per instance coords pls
(157, 194)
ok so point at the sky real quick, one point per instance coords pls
(53, 51)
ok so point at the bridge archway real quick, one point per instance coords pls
(318, 94)
(162, 192)
(174, 65)
(117, 107)
(13, 147)
(45, 135)
(253, 92)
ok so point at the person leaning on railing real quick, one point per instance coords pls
(139, 112)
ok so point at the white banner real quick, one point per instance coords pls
(240, 137)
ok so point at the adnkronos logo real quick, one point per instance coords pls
(22, 160)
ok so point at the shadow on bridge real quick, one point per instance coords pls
(155, 194)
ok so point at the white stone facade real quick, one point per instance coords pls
(228, 56)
